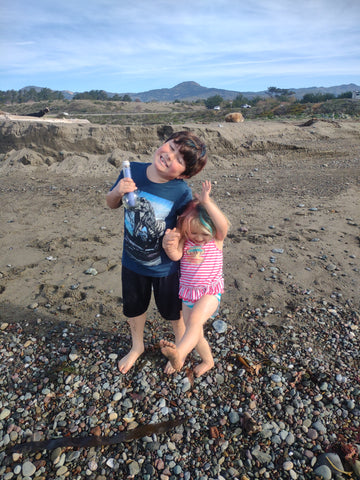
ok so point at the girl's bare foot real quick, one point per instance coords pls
(170, 351)
(202, 368)
(128, 361)
(169, 369)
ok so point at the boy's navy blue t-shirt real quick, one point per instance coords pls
(144, 227)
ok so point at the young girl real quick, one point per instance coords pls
(197, 242)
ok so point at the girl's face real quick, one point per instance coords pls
(198, 234)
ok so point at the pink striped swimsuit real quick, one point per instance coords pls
(201, 271)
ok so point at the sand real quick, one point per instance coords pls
(290, 191)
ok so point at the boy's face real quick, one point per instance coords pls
(168, 161)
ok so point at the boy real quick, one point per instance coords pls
(163, 195)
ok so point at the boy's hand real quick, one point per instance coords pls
(126, 185)
(114, 197)
(204, 196)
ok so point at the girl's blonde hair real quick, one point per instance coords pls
(197, 213)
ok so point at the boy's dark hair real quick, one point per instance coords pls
(193, 151)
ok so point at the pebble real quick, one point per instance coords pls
(61, 471)
(331, 460)
(134, 468)
(234, 417)
(312, 434)
(319, 426)
(117, 397)
(323, 472)
(4, 413)
(219, 326)
(91, 271)
(28, 469)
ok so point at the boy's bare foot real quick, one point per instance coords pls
(202, 368)
(128, 361)
(170, 351)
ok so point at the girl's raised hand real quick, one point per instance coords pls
(204, 196)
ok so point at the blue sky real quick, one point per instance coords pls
(134, 46)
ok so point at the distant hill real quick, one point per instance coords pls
(337, 90)
(192, 91)
(183, 91)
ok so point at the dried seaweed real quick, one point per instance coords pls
(252, 369)
(96, 441)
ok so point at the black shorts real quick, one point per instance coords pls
(137, 294)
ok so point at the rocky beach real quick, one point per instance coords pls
(283, 401)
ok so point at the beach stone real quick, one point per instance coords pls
(290, 439)
(288, 465)
(356, 467)
(6, 439)
(8, 476)
(28, 469)
(55, 455)
(186, 385)
(219, 326)
(93, 466)
(134, 468)
(330, 267)
(110, 462)
(275, 378)
(61, 471)
(308, 454)
(319, 426)
(117, 397)
(219, 379)
(91, 271)
(262, 457)
(330, 459)
(323, 472)
(4, 413)
(276, 440)
(312, 434)
(72, 456)
(234, 417)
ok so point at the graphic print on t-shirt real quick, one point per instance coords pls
(145, 227)
(195, 254)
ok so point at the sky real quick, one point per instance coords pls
(135, 46)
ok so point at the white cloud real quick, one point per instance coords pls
(164, 41)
